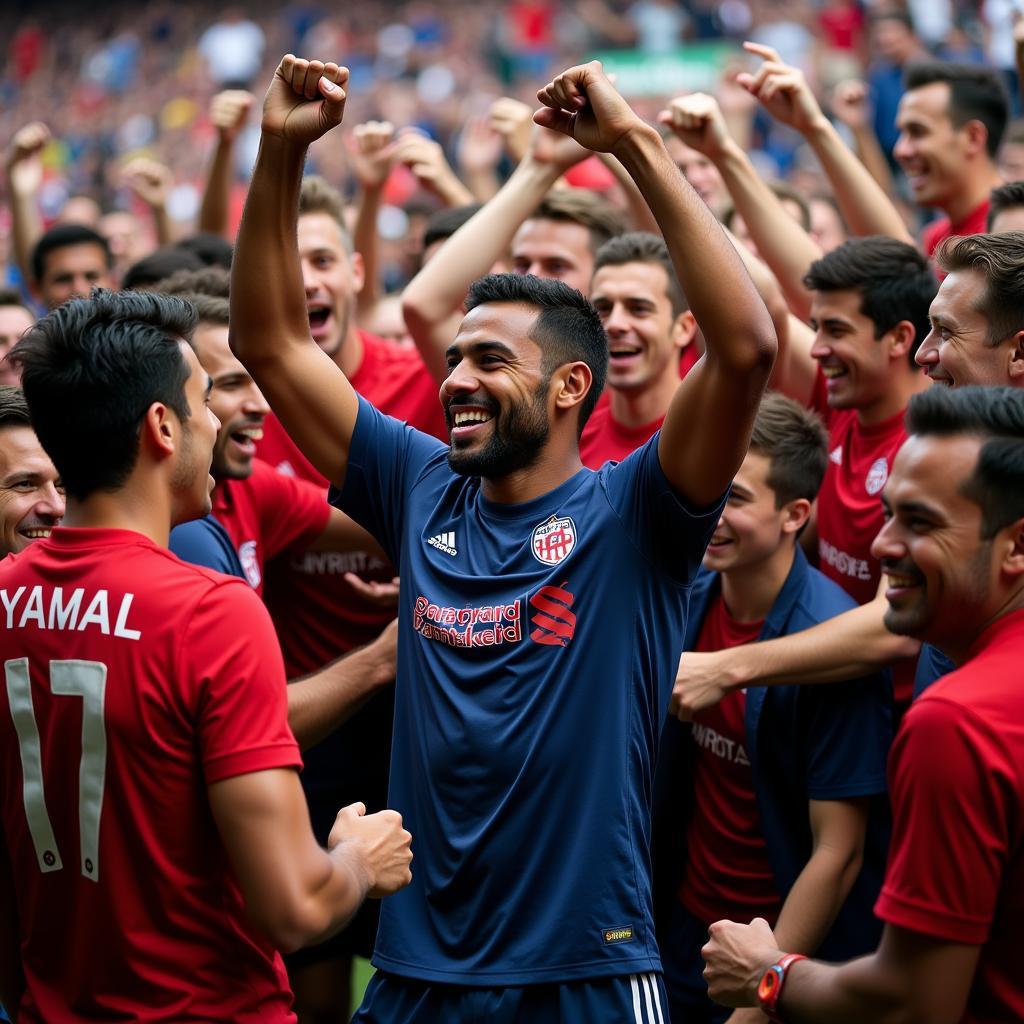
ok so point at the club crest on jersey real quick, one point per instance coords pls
(877, 475)
(554, 540)
(250, 563)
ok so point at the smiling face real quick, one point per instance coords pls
(73, 270)
(555, 249)
(941, 573)
(31, 499)
(14, 321)
(332, 279)
(643, 337)
(234, 400)
(495, 397)
(931, 151)
(857, 365)
(751, 528)
(956, 351)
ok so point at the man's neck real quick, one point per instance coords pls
(548, 472)
(904, 384)
(126, 509)
(349, 354)
(751, 591)
(959, 652)
(637, 408)
(976, 190)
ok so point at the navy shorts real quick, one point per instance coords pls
(629, 999)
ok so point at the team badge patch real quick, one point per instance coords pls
(553, 540)
(250, 563)
(877, 475)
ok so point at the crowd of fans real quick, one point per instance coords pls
(804, 278)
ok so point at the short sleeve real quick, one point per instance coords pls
(954, 798)
(293, 512)
(668, 531)
(205, 542)
(848, 731)
(232, 659)
(385, 457)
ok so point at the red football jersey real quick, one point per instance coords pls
(317, 614)
(728, 874)
(133, 682)
(267, 513)
(938, 231)
(956, 776)
(849, 502)
(605, 440)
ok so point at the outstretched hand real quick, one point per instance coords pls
(306, 99)
(782, 89)
(583, 104)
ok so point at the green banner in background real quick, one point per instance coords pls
(696, 67)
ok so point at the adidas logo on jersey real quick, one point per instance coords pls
(836, 455)
(444, 542)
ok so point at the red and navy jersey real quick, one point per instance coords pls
(133, 682)
(317, 613)
(538, 644)
(268, 513)
(956, 865)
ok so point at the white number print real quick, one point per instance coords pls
(88, 680)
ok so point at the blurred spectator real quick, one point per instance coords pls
(895, 44)
(233, 48)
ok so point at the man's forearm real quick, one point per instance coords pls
(367, 243)
(213, 213)
(866, 207)
(439, 289)
(266, 280)
(26, 227)
(853, 644)
(320, 702)
(782, 243)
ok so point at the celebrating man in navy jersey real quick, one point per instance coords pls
(543, 605)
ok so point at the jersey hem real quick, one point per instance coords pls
(486, 978)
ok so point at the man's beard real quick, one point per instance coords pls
(517, 437)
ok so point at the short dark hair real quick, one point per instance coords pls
(643, 247)
(794, 441)
(151, 269)
(13, 407)
(567, 329)
(976, 93)
(213, 250)
(13, 297)
(578, 206)
(213, 281)
(443, 224)
(1005, 197)
(894, 279)
(63, 236)
(1000, 260)
(997, 416)
(90, 370)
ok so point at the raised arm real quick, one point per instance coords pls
(781, 241)
(707, 429)
(294, 890)
(313, 399)
(24, 179)
(851, 106)
(372, 152)
(432, 301)
(151, 181)
(228, 113)
(785, 94)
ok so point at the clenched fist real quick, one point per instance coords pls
(306, 99)
(380, 844)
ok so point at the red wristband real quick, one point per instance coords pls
(769, 988)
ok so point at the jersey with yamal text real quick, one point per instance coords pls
(132, 682)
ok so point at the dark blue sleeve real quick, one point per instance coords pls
(847, 732)
(932, 665)
(385, 458)
(667, 530)
(205, 542)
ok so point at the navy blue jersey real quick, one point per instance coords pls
(537, 648)
(206, 542)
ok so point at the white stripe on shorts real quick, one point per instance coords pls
(636, 999)
(657, 998)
